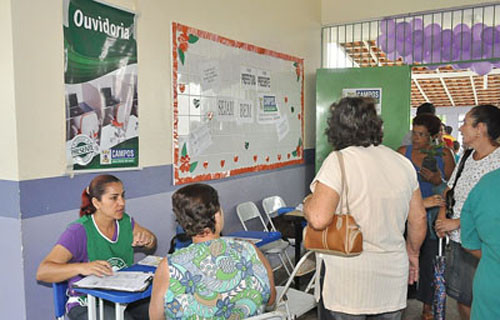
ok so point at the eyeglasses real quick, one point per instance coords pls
(419, 134)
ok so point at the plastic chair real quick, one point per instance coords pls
(247, 211)
(271, 207)
(272, 204)
(273, 315)
(60, 298)
(295, 302)
(292, 303)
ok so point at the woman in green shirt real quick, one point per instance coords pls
(480, 223)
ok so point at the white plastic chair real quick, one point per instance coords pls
(271, 205)
(292, 303)
(295, 302)
(273, 315)
(247, 211)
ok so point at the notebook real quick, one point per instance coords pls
(129, 281)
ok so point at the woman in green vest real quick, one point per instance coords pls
(98, 243)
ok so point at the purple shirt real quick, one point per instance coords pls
(74, 239)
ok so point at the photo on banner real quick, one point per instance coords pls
(100, 77)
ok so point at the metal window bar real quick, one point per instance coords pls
(454, 40)
(422, 33)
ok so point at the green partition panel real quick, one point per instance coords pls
(395, 85)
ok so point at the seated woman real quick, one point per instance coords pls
(213, 278)
(98, 243)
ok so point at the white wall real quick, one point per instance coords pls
(290, 26)
(336, 12)
(8, 131)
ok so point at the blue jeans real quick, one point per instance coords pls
(459, 273)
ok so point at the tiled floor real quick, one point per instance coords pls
(412, 312)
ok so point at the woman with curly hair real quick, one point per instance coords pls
(383, 194)
(213, 278)
(425, 132)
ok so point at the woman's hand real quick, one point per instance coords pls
(99, 268)
(143, 237)
(434, 201)
(414, 268)
(444, 226)
(431, 176)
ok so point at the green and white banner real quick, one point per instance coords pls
(100, 76)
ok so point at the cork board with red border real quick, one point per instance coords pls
(237, 107)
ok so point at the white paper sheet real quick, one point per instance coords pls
(129, 281)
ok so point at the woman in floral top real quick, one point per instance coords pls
(213, 278)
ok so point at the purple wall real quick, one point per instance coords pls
(12, 292)
(148, 193)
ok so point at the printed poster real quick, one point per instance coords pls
(100, 76)
(268, 109)
(375, 93)
(248, 78)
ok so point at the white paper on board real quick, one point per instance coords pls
(268, 110)
(264, 80)
(245, 112)
(248, 78)
(282, 127)
(225, 109)
(210, 75)
(199, 140)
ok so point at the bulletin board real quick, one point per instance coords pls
(237, 107)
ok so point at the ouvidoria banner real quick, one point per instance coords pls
(100, 76)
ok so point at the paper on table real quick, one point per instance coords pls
(252, 240)
(130, 281)
(153, 261)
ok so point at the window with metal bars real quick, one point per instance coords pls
(455, 53)
(459, 37)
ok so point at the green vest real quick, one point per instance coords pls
(119, 253)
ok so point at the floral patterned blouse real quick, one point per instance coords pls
(216, 279)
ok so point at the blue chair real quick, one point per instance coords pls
(180, 240)
(60, 298)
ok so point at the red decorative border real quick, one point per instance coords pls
(237, 44)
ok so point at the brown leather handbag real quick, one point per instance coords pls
(343, 236)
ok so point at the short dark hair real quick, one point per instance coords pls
(456, 145)
(96, 189)
(195, 206)
(354, 121)
(429, 121)
(448, 129)
(490, 116)
(426, 107)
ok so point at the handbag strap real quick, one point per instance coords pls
(467, 153)
(345, 187)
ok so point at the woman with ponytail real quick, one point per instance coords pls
(481, 133)
(98, 243)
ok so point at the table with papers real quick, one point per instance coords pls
(120, 298)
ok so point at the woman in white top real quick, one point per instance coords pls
(481, 132)
(383, 194)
